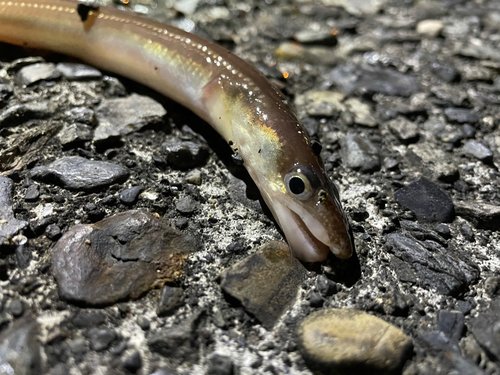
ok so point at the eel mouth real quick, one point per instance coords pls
(320, 248)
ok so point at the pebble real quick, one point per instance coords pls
(9, 225)
(77, 173)
(348, 341)
(451, 323)
(132, 362)
(291, 51)
(362, 112)
(430, 28)
(194, 177)
(478, 150)
(122, 116)
(443, 230)
(449, 94)
(432, 161)
(16, 308)
(461, 115)
(467, 232)
(131, 251)
(170, 300)
(220, 365)
(19, 113)
(446, 72)
(406, 131)
(359, 153)
(143, 322)
(101, 338)
(186, 154)
(78, 345)
(75, 133)
(321, 103)
(481, 214)
(426, 200)
(20, 351)
(358, 8)
(130, 195)
(431, 265)
(78, 72)
(265, 283)
(31, 74)
(53, 232)
(486, 329)
(320, 38)
(88, 319)
(325, 286)
(32, 193)
(186, 205)
(80, 115)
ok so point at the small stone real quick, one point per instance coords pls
(443, 230)
(101, 338)
(9, 225)
(78, 72)
(37, 72)
(170, 299)
(77, 173)
(194, 177)
(220, 365)
(325, 286)
(75, 133)
(143, 322)
(321, 38)
(451, 323)
(132, 362)
(19, 349)
(430, 28)
(182, 223)
(362, 112)
(321, 103)
(122, 116)
(347, 341)
(446, 72)
(78, 346)
(53, 232)
(185, 155)
(315, 300)
(16, 308)
(32, 193)
(359, 153)
(461, 115)
(80, 115)
(483, 215)
(449, 94)
(359, 8)
(478, 150)
(130, 195)
(405, 130)
(467, 232)
(32, 110)
(492, 285)
(486, 329)
(88, 319)
(186, 205)
(291, 51)
(119, 257)
(427, 201)
(265, 283)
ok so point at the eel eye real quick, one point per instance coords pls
(298, 184)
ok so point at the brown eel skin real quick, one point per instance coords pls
(225, 91)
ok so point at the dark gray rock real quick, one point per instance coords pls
(170, 299)
(121, 116)
(451, 323)
(443, 230)
(78, 72)
(132, 251)
(16, 307)
(130, 195)
(19, 113)
(431, 266)
(88, 319)
(9, 225)
(220, 365)
(53, 232)
(32, 193)
(101, 338)
(481, 214)
(461, 115)
(360, 154)
(478, 150)
(20, 350)
(77, 173)
(427, 201)
(186, 205)
(75, 133)
(372, 80)
(132, 362)
(37, 72)
(265, 283)
(78, 346)
(80, 115)
(325, 286)
(185, 155)
(405, 130)
(486, 329)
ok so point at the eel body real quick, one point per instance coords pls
(225, 91)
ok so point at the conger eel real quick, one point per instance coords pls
(225, 91)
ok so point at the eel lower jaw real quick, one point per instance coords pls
(303, 243)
